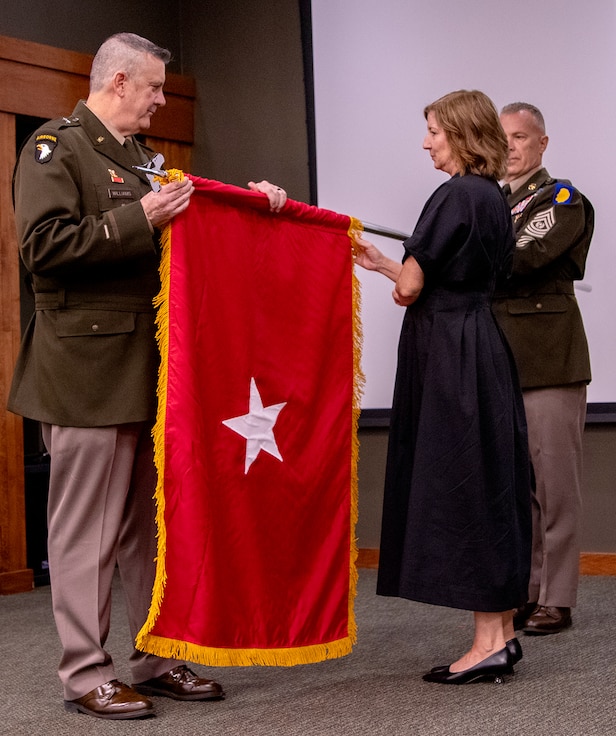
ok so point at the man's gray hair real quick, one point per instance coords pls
(122, 52)
(514, 107)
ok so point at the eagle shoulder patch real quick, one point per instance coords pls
(44, 145)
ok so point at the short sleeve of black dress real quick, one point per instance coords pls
(464, 234)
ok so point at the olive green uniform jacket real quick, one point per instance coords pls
(89, 356)
(537, 308)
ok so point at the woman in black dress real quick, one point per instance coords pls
(456, 515)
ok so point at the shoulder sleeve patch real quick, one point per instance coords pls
(44, 145)
(563, 193)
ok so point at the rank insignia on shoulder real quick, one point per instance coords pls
(44, 147)
(74, 120)
(563, 193)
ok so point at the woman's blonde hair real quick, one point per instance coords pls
(474, 132)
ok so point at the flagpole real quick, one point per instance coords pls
(385, 231)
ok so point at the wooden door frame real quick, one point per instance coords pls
(45, 82)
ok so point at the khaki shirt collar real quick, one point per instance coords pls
(114, 131)
(516, 184)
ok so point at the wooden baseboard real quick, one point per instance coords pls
(16, 581)
(591, 563)
(368, 558)
(598, 563)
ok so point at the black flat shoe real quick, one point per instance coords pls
(492, 668)
(515, 650)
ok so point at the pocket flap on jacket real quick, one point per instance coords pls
(78, 323)
(549, 303)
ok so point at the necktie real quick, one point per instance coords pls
(506, 190)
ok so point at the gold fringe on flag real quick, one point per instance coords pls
(161, 303)
(218, 657)
(355, 228)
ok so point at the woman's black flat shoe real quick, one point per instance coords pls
(492, 668)
(515, 650)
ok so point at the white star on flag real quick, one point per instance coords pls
(257, 427)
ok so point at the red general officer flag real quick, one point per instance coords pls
(256, 442)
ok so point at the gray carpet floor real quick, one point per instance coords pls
(564, 686)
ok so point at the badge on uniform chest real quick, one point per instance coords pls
(118, 193)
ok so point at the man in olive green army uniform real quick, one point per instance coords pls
(87, 222)
(539, 314)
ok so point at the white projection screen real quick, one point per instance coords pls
(377, 63)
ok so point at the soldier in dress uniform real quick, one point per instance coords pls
(88, 225)
(539, 314)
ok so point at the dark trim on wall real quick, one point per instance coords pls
(374, 418)
(596, 413)
(305, 11)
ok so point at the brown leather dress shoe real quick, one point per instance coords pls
(548, 620)
(180, 683)
(114, 701)
(522, 614)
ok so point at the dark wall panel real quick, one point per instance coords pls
(251, 114)
(82, 26)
